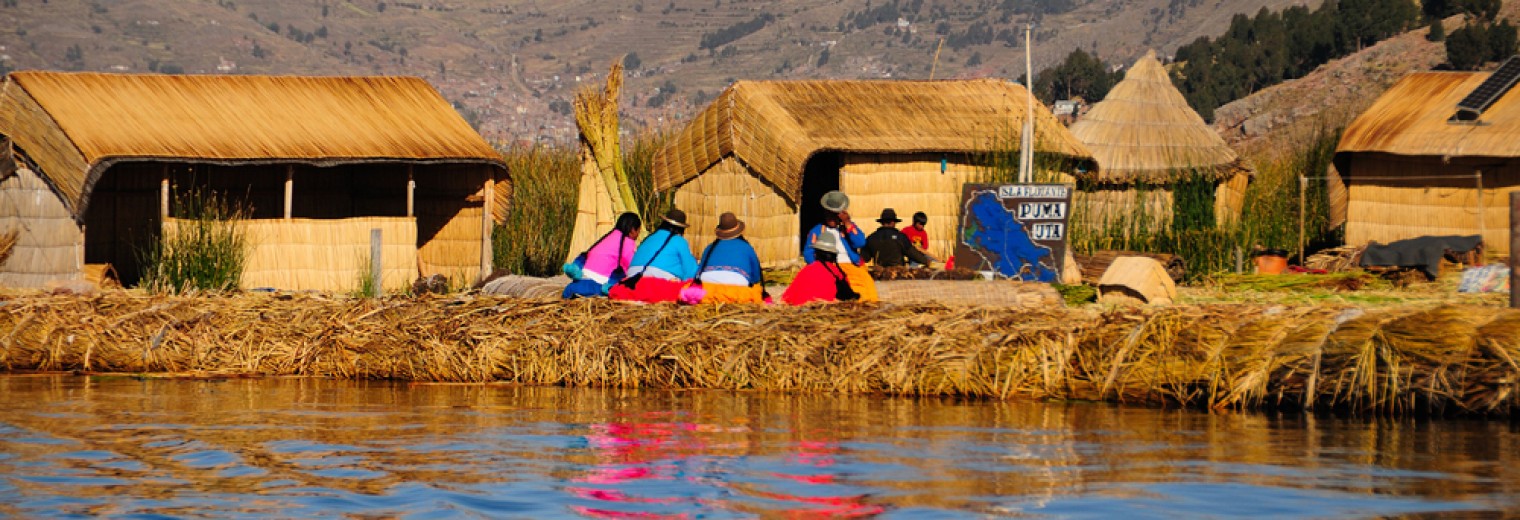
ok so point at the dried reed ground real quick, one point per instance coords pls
(1442, 359)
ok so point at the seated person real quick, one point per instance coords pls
(888, 247)
(661, 265)
(823, 280)
(730, 270)
(607, 260)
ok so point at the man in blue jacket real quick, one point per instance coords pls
(836, 221)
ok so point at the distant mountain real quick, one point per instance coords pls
(512, 67)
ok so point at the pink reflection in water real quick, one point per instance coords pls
(654, 451)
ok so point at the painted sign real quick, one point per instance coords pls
(1015, 231)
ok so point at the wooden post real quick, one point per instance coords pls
(1482, 226)
(163, 197)
(376, 267)
(1303, 210)
(1240, 264)
(290, 175)
(1514, 249)
(486, 221)
(411, 192)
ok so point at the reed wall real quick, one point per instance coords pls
(50, 245)
(908, 183)
(770, 222)
(324, 254)
(1230, 199)
(594, 216)
(451, 229)
(1393, 198)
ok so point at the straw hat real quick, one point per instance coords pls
(888, 215)
(676, 217)
(827, 242)
(729, 226)
(835, 201)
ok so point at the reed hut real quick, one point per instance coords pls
(1413, 167)
(1149, 144)
(317, 162)
(769, 150)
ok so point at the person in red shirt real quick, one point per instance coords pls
(916, 232)
(919, 237)
(823, 280)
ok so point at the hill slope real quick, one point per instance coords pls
(510, 67)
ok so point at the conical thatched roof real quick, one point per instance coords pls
(76, 125)
(775, 126)
(1144, 131)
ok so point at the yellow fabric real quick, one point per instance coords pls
(723, 293)
(860, 280)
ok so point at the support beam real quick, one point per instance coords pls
(163, 197)
(290, 185)
(487, 224)
(411, 192)
(376, 266)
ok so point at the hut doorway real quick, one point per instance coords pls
(820, 176)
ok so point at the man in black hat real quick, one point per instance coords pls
(888, 247)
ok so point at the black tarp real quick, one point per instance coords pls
(1422, 252)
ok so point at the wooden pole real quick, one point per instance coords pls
(1514, 249)
(1303, 210)
(290, 175)
(1482, 226)
(411, 192)
(376, 267)
(163, 197)
(486, 221)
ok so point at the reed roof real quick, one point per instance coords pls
(1411, 119)
(775, 126)
(1144, 130)
(76, 125)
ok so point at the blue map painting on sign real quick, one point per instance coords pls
(991, 228)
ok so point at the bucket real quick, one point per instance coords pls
(1271, 261)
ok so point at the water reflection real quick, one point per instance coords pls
(305, 447)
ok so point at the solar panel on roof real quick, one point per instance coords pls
(1490, 91)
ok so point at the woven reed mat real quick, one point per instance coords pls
(997, 293)
(526, 286)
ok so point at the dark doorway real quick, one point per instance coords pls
(820, 176)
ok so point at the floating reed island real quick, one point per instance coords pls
(1442, 360)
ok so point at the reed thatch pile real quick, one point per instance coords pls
(1144, 131)
(1447, 359)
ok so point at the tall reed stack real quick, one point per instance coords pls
(1396, 360)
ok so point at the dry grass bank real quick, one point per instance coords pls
(1396, 360)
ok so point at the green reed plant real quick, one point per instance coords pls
(206, 250)
(536, 234)
(535, 239)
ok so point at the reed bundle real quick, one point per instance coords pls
(596, 114)
(1396, 360)
(8, 244)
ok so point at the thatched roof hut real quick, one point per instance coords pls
(1146, 139)
(768, 150)
(1412, 170)
(319, 161)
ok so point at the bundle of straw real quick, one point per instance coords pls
(596, 114)
(8, 241)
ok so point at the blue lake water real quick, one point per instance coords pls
(79, 446)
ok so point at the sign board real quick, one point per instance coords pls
(1015, 231)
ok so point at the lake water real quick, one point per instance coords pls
(310, 447)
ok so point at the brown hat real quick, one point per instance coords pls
(729, 226)
(675, 217)
(888, 215)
